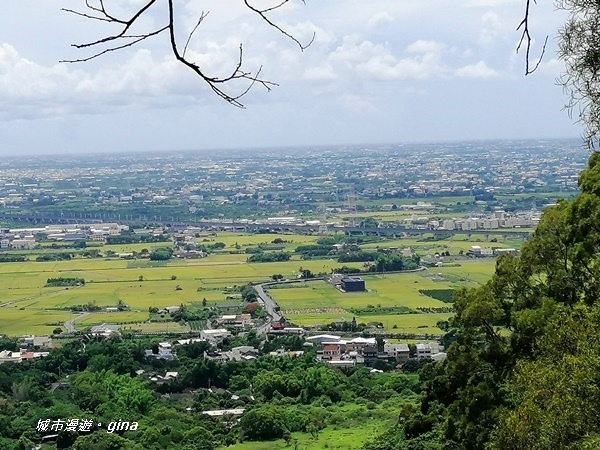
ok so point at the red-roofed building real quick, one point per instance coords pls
(27, 355)
(331, 351)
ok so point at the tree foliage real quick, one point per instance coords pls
(523, 370)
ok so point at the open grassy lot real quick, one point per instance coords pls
(478, 271)
(15, 322)
(349, 436)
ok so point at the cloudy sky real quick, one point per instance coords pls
(378, 71)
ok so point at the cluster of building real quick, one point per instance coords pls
(31, 347)
(476, 251)
(347, 353)
(499, 219)
(26, 238)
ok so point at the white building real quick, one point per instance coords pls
(423, 351)
(321, 338)
(23, 244)
(214, 336)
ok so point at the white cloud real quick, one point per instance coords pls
(28, 89)
(320, 73)
(376, 61)
(477, 70)
(491, 29)
(381, 18)
(423, 46)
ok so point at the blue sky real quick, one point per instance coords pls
(378, 71)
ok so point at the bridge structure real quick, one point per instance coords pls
(221, 225)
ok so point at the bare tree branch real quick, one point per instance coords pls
(213, 82)
(137, 39)
(526, 38)
(262, 14)
(100, 13)
(200, 19)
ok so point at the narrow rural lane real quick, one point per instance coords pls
(70, 324)
(270, 307)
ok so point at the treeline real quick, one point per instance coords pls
(378, 262)
(269, 257)
(7, 257)
(54, 257)
(377, 310)
(62, 282)
(136, 238)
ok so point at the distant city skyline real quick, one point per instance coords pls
(378, 72)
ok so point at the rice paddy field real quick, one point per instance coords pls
(320, 303)
(27, 306)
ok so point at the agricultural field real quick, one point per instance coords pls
(454, 246)
(117, 318)
(15, 322)
(141, 284)
(244, 240)
(318, 303)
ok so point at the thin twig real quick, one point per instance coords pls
(526, 37)
(262, 14)
(139, 38)
(202, 17)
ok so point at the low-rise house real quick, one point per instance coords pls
(359, 343)
(439, 356)
(369, 352)
(224, 412)
(189, 341)
(38, 341)
(21, 355)
(400, 352)
(215, 336)
(164, 352)
(423, 351)
(216, 356)
(9, 356)
(236, 320)
(330, 351)
(104, 330)
(172, 309)
(343, 363)
(281, 352)
(243, 353)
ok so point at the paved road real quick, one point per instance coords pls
(70, 324)
(270, 307)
